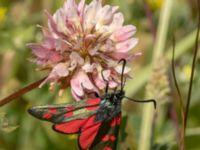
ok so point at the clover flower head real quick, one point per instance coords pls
(83, 42)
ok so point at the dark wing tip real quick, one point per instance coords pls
(32, 111)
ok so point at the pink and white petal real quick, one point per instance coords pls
(118, 20)
(90, 14)
(74, 56)
(43, 53)
(76, 85)
(51, 24)
(85, 81)
(75, 96)
(119, 56)
(38, 50)
(99, 82)
(62, 45)
(49, 42)
(106, 74)
(123, 33)
(115, 9)
(127, 45)
(71, 9)
(81, 8)
(61, 70)
(60, 19)
(119, 69)
(113, 84)
(87, 67)
(105, 15)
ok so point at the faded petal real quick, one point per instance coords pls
(76, 97)
(87, 67)
(43, 53)
(61, 70)
(76, 86)
(106, 74)
(113, 84)
(123, 33)
(79, 81)
(99, 82)
(81, 8)
(52, 24)
(77, 58)
(118, 20)
(90, 14)
(119, 56)
(104, 16)
(126, 45)
(60, 18)
(119, 69)
(71, 10)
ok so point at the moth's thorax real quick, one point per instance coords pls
(110, 105)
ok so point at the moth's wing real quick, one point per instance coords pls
(62, 113)
(88, 133)
(74, 126)
(107, 136)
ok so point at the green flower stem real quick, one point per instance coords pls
(148, 111)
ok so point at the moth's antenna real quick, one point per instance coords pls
(122, 74)
(143, 101)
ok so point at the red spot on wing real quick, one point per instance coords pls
(115, 121)
(69, 112)
(88, 133)
(49, 113)
(107, 148)
(105, 138)
(112, 138)
(119, 119)
(94, 102)
(52, 110)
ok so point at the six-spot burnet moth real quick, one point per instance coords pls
(96, 121)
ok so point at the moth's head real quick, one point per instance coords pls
(119, 94)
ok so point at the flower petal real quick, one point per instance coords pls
(80, 80)
(104, 16)
(74, 56)
(119, 69)
(60, 70)
(123, 33)
(76, 86)
(119, 56)
(118, 20)
(81, 8)
(87, 67)
(90, 14)
(75, 96)
(126, 45)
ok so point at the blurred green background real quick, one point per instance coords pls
(157, 21)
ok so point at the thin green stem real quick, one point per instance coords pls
(145, 140)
